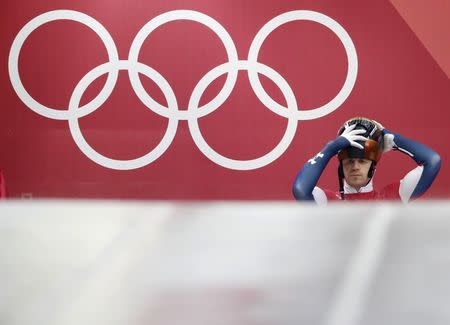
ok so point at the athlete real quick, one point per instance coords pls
(359, 146)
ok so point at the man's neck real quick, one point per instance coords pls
(348, 189)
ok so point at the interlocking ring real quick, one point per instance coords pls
(113, 68)
(172, 112)
(13, 62)
(186, 15)
(343, 37)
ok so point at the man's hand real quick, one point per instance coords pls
(352, 136)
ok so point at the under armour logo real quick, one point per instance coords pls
(312, 161)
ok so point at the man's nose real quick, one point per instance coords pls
(356, 165)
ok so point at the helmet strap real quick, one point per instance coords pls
(341, 180)
(371, 170)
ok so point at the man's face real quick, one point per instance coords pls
(355, 171)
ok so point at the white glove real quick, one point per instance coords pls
(388, 142)
(354, 135)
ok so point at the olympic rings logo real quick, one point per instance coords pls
(172, 112)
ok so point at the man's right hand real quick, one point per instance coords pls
(352, 136)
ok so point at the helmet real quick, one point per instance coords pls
(373, 146)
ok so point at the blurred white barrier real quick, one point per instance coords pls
(113, 262)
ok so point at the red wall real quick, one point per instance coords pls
(398, 83)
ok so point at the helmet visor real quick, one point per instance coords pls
(371, 151)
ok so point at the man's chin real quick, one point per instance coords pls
(356, 182)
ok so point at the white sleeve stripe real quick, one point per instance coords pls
(319, 196)
(405, 151)
(409, 183)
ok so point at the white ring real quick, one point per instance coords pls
(23, 34)
(343, 37)
(180, 15)
(243, 164)
(110, 67)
